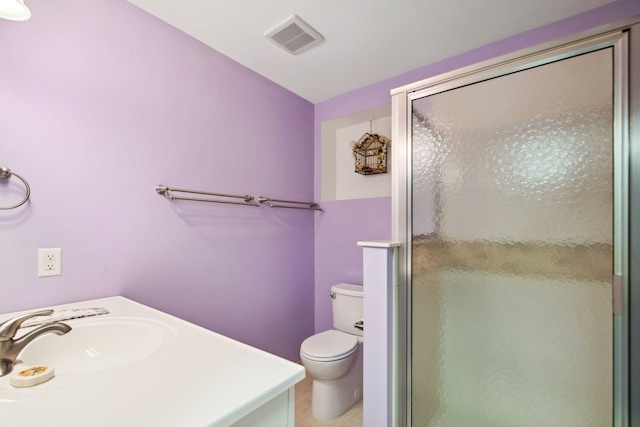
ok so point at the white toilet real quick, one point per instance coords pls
(334, 358)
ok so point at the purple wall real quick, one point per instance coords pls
(345, 222)
(338, 258)
(101, 102)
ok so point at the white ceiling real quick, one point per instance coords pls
(366, 41)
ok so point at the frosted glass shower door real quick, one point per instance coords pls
(512, 249)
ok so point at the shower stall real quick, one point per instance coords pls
(511, 199)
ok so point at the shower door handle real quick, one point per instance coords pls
(618, 283)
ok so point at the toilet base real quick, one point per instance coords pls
(333, 398)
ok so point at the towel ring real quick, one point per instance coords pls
(5, 173)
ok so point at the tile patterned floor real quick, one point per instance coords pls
(353, 418)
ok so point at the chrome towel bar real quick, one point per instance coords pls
(5, 173)
(248, 200)
(166, 191)
(312, 206)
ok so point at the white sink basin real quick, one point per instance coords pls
(97, 345)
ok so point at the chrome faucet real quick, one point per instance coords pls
(10, 347)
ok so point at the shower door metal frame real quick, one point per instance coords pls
(615, 36)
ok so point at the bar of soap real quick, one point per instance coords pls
(28, 376)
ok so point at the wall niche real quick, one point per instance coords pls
(338, 177)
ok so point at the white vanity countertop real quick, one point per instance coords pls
(196, 378)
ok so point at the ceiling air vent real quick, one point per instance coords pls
(294, 35)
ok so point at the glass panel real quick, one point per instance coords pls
(512, 250)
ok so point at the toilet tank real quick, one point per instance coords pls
(348, 307)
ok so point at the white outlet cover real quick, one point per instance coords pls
(49, 262)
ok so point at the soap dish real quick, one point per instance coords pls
(26, 376)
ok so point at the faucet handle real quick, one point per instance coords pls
(9, 328)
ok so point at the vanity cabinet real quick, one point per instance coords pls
(278, 412)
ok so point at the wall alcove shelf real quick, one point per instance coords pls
(247, 199)
(338, 180)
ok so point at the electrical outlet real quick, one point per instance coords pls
(49, 262)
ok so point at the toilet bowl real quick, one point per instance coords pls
(329, 355)
(334, 358)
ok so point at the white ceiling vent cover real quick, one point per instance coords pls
(294, 35)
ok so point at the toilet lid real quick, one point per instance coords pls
(329, 345)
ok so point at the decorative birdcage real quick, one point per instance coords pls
(370, 153)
